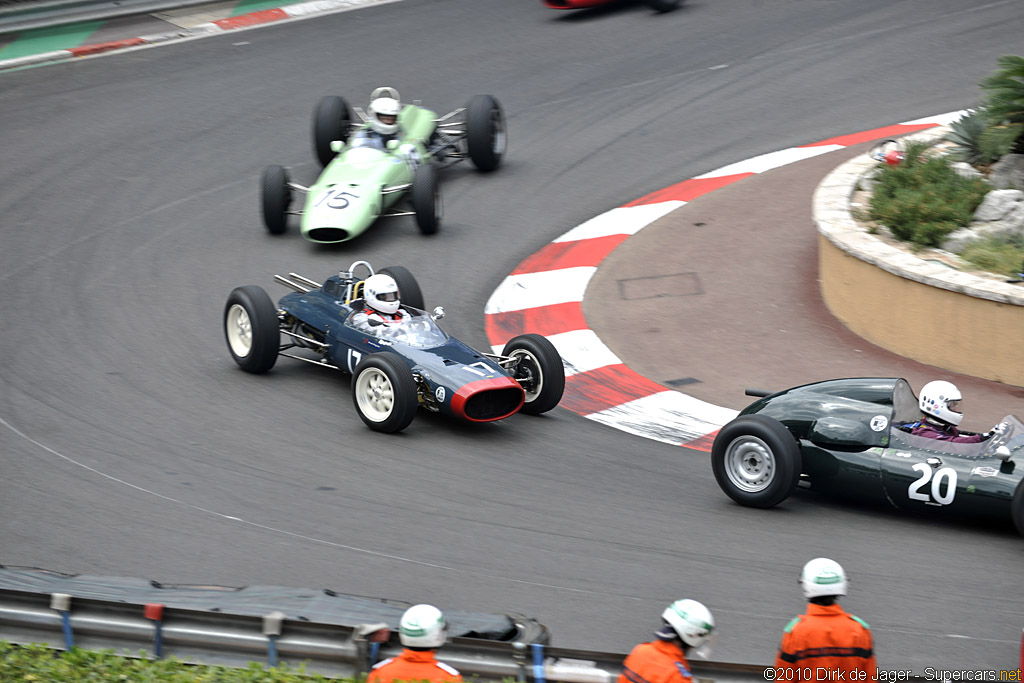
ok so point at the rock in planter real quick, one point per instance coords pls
(965, 170)
(1008, 172)
(997, 204)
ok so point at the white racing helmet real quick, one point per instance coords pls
(822, 576)
(383, 110)
(942, 400)
(691, 621)
(423, 626)
(381, 293)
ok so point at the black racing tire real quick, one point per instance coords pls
(409, 291)
(663, 5)
(276, 197)
(332, 120)
(486, 137)
(426, 199)
(384, 392)
(251, 328)
(539, 371)
(756, 461)
(1017, 508)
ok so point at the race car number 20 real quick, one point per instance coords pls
(943, 478)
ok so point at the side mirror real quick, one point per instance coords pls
(337, 145)
(392, 145)
(1003, 453)
(438, 313)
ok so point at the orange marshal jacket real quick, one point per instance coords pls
(656, 662)
(830, 639)
(413, 665)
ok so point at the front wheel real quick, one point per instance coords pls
(756, 461)
(251, 328)
(276, 197)
(485, 132)
(538, 369)
(384, 392)
(426, 199)
(332, 120)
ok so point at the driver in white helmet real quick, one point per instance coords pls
(687, 626)
(941, 411)
(422, 630)
(383, 113)
(826, 641)
(381, 305)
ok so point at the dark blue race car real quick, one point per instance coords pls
(395, 368)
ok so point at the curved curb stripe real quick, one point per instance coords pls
(242, 21)
(544, 294)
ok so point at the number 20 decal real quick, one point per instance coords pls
(947, 473)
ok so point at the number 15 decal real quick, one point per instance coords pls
(335, 198)
(937, 496)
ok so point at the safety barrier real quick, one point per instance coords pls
(22, 15)
(30, 614)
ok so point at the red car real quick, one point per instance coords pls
(658, 5)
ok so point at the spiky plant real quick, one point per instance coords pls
(966, 136)
(1004, 103)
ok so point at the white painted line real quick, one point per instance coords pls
(621, 221)
(668, 416)
(582, 351)
(536, 290)
(767, 162)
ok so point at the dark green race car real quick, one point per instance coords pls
(844, 437)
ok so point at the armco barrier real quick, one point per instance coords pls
(60, 620)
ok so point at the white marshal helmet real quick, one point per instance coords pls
(384, 102)
(380, 292)
(423, 626)
(691, 620)
(822, 576)
(942, 400)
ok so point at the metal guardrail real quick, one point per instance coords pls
(204, 637)
(23, 15)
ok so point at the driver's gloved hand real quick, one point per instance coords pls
(998, 429)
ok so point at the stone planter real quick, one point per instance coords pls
(917, 307)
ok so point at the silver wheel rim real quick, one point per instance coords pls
(531, 395)
(375, 394)
(239, 329)
(499, 132)
(750, 464)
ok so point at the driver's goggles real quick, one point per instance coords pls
(955, 406)
(388, 296)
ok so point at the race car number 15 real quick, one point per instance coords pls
(335, 198)
(945, 474)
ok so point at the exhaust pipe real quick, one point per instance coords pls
(294, 285)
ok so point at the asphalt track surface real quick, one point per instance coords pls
(131, 445)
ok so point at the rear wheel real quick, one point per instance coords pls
(332, 120)
(384, 392)
(408, 289)
(426, 199)
(1017, 508)
(538, 369)
(276, 197)
(756, 461)
(485, 132)
(251, 328)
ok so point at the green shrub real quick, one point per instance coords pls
(969, 141)
(1004, 104)
(997, 256)
(39, 664)
(922, 199)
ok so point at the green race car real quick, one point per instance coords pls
(850, 438)
(366, 174)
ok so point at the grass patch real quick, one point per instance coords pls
(39, 664)
(922, 199)
(997, 256)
